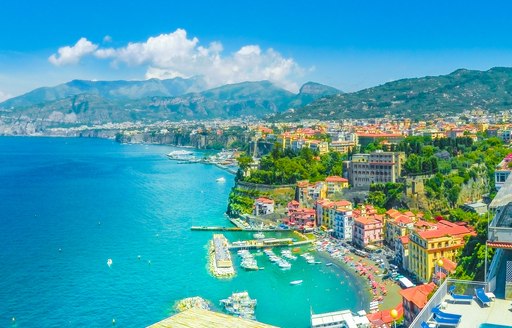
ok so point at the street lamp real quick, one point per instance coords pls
(394, 315)
(439, 266)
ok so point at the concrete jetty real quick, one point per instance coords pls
(221, 264)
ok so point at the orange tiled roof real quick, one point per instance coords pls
(496, 244)
(335, 178)
(404, 239)
(444, 231)
(264, 200)
(384, 316)
(418, 294)
(449, 265)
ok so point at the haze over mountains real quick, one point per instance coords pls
(96, 102)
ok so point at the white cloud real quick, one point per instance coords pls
(107, 39)
(72, 55)
(4, 96)
(177, 55)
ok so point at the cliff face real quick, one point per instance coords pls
(471, 191)
(199, 141)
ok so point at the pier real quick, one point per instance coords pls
(219, 228)
(267, 243)
(220, 257)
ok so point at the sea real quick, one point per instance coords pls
(67, 205)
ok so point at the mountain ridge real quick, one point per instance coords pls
(429, 96)
(96, 102)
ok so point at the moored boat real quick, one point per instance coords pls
(296, 282)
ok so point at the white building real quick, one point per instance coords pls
(343, 224)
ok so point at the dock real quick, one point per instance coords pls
(219, 228)
(216, 228)
(267, 243)
(221, 264)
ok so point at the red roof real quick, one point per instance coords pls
(449, 265)
(264, 200)
(335, 178)
(384, 316)
(403, 219)
(444, 231)
(497, 244)
(418, 294)
(404, 239)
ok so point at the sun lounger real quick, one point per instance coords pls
(456, 298)
(446, 322)
(484, 299)
(424, 325)
(445, 315)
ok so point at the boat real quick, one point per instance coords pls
(221, 180)
(328, 264)
(284, 264)
(240, 304)
(181, 155)
(296, 282)
(259, 235)
(109, 262)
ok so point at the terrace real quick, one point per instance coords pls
(473, 313)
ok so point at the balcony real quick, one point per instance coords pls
(500, 229)
(473, 314)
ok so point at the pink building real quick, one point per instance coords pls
(368, 229)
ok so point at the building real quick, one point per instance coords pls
(299, 216)
(502, 171)
(263, 206)
(326, 209)
(339, 319)
(342, 146)
(414, 300)
(428, 246)
(368, 227)
(395, 227)
(335, 184)
(343, 224)
(377, 167)
(478, 208)
(402, 252)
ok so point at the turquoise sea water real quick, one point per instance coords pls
(68, 205)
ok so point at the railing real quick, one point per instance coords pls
(462, 287)
(500, 234)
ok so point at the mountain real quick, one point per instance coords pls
(430, 96)
(88, 102)
(112, 90)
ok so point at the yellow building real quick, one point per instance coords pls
(427, 247)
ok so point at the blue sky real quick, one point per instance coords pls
(347, 44)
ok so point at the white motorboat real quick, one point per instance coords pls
(221, 180)
(296, 282)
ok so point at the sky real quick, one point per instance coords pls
(350, 45)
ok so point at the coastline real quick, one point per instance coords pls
(392, 297)
(361, 283)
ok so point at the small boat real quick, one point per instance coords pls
(328, 264)
(221, 180)
(259, 235)
(109, 262)
(296, 282)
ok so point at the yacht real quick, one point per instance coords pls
(296, 282)
(221, 180)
